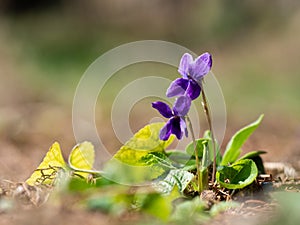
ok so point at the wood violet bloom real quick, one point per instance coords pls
(192, 72)
(176, 124)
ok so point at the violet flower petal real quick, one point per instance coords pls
(165, 131)
(177, 87)
(201, 66)
(193, 90)
(184, 65)
(183, 126)
(163, 109)
(175, 127)
(182, 106)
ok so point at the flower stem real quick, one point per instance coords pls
(209, 120)
(196, 153)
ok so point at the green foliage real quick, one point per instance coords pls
(170, 176)
(204, 153)
(177, 177)
(200, 145)
(252, 154)
(241, 173)
(233, 148)
(180, 158)
(171, 173)
(207, 135)
(203, 144)
(190, 212)
(159, 159)
(77, 184)
(238, 175)
(118, 200)
(107, 204)
(156, 205)
(255, 156)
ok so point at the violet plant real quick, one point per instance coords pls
(187, 88)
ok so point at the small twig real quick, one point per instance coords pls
(224, 193)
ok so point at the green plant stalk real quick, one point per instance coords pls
(203, 179)
(209, 120)
(199, 185)
(204, 168)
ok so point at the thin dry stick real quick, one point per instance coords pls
(196, 153)
(209, 120)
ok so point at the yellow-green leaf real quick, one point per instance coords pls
(143, 142)
(127, 166)
(49, 167)
(81, 161)
(82, 158)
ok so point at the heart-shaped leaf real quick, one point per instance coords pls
(238, 175)
(255, 156)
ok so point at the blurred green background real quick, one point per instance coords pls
(45, 47)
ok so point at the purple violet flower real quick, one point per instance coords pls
(176, 124)
(192, 72)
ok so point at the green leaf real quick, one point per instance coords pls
(255, 156)
(190, 212)
(178, 157)
(233, 148)
(156, 205)
(203, 179)
(238, 175)
(190, 165)
(252, 154)
(177, 177)
(107, 204)
(200, 145)
(158, 159)
(78, 184)
(206, 159)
